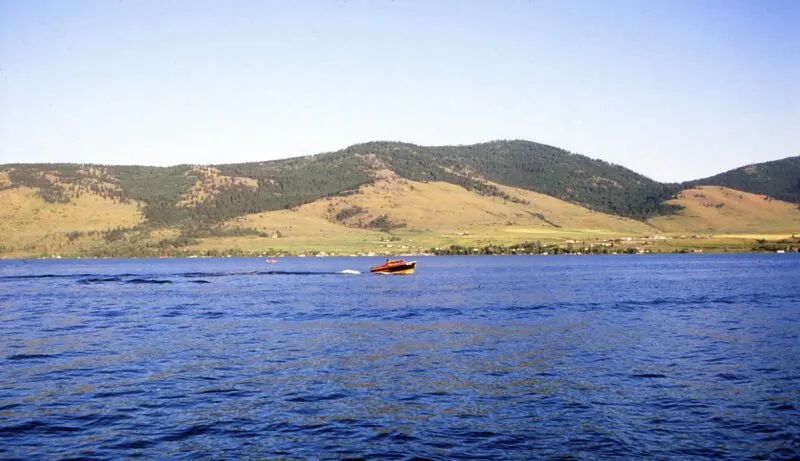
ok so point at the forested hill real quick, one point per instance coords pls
(187, 194)
(779, 179)
(596, 184)
(538, 167)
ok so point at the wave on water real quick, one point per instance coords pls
(16, 278)
(153, 281)
(164, 279)
(89, 280)
(664, 357)
(214, 274)
(29, 356)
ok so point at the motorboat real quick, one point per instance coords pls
(394, 266)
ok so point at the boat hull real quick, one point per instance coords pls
(395, 268)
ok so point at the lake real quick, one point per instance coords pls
(504, 357)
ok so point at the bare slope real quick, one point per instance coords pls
(391, 214)
(723, 210)
(439, 207)
(297, 231)
(28, 224)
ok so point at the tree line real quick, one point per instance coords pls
(288, 183)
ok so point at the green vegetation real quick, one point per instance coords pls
(289, 183)
(158, 188)
(582, 248)
(151, 184)
(595, 184)
(530, 248)
(788, 245)
(347, 213)
(194, 202)
(285, 184)
(49, 191)
(544, 219)
(211, 232)
(778, 179)
(384, 224)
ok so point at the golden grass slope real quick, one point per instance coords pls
(439, 214)
(29, 224)
(448, 208)
(716, 209)
(431, 214)
(426, 215)
(298, 231)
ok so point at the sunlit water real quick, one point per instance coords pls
(665, 357)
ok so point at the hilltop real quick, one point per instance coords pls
(779, 179)
(365, 196)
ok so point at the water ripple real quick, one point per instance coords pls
(663, 357)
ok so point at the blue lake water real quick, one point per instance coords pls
(655, 356)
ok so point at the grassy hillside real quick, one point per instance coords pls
(182, 194)
(778, 179)
(30, 225)
(724, 210)
(398, 215)
(395, 215)
(528, 165)
(392, 202)
(369, 197)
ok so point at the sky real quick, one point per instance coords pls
(673, 89)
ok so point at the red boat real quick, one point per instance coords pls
(395, 266)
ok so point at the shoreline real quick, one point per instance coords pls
(403, 255)
(474, 245)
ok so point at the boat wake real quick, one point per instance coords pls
(164, 279)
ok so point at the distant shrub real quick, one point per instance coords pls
(384, 224)
(74, 235)
(347, 213)
(114, 235)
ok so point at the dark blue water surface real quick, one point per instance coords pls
(665, 357)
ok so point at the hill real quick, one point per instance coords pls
(719, 209)
(31, 225)
(175, 195)
(365, 196)
(778, 179)
(575, 178)
(393, 202)
(394, 214)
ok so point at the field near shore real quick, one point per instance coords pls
(414, 217)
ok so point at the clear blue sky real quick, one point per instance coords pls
(672, 89)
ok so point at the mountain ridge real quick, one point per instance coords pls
(283, 183)
(779, 179)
